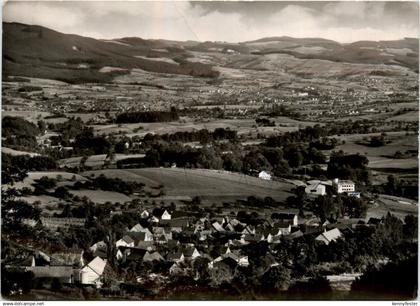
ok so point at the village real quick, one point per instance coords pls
(172, 243)
(147, 169)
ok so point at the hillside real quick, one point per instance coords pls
(36, 51)
(202, 182)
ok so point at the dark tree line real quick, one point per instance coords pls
(13, 167)
(151, 116)
(203, 136)
(19, 133)
(352, 166)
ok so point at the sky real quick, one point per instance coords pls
(343, 21)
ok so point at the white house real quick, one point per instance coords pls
(91, 273)
(137, 228)
(345, 186)
(264, 175)
(316, 188)
(125, 241)
(145, 214)
(166, 215)
(328, 236)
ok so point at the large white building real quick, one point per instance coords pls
(344, 186)
(316, 188)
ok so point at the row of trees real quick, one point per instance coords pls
(150, 116)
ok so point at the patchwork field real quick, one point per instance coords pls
(201, 182)
(94, 160)
(379, 156)
(101, 196)
(400, 207)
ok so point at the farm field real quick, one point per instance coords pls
(202, 182)
(63, 178)
(101, 196)
(378, 156)
(94, 160)
(398, 206)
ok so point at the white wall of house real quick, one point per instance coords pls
(166, 215)
(264, 175)
(317, 189)
(122, 242)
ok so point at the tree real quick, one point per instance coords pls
(255, 161)
(232, 163)
(295, 159)
(42, 126)
(277, 277)
(200, 266)
(327, 208)
(14, 211)
(395, 280)
(315, 287)
(410, 229)
(220, 274)
(392, 184)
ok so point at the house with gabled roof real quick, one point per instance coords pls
(145, 214)
(328, 236)
(137, 228)
(190, 252)
(154, 256)
(292, 218)
(125, 241)
(229, 228)
(166, 215)
(249, 230)
(232, 259)
(282, 228)
(145, 235)
(176, 225)
(316, 188)
(91, 274)
(132, 254)
(217, 226)
(175, 257)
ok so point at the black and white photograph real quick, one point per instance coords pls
(209, 151)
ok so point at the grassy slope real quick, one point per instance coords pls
(35, 51)
(202, 182)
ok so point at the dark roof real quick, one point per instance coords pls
(100, 253)
(281, 224)
(232, 263)
(127, 239)
(135, 253)
(136, 236)
(374, 221)
(188, 251)
(152, 256)
(174, 256)
(53, 272)
(285, 216)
